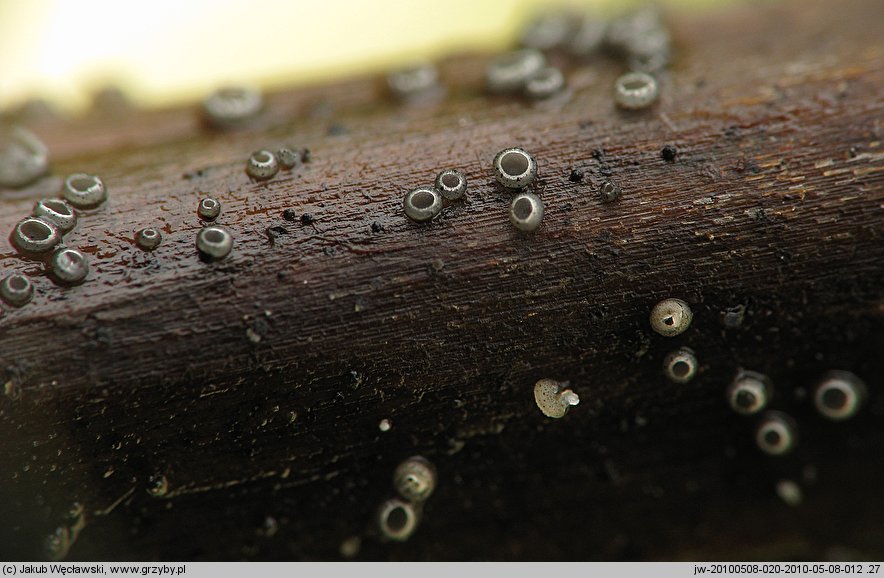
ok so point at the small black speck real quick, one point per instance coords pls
(305, 155)
(668, 153)
(307, 219)
(377, 227)
(194, 174)
(576, 176)
(567, 207)
(598, 154)
(584, 124)
(731, 131)
(289, 215)
(282, 275)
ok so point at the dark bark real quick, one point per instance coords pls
(254, 386)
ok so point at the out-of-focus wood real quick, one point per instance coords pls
(255, 386)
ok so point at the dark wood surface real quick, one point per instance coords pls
(255, 386)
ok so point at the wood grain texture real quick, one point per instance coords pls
(255, 385)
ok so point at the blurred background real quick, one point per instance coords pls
(167, 51)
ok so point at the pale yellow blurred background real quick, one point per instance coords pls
(165, 51)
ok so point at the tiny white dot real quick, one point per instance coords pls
(790, 492)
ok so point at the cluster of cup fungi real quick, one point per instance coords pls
(514, 168)
(414, 481)
(40, 236)
(640, 39)
(838, 395)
